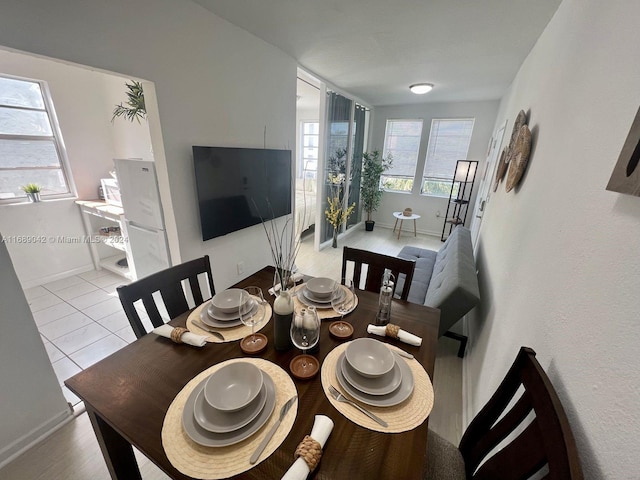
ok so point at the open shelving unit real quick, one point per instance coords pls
(117, 257)
(460, 197)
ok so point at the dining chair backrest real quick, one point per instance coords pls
(376, 264)
(546, 441)
(169, 283)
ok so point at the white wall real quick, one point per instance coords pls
(31, 399)
(215, 83)
(84, 113)
(558, 261)
(484, 114)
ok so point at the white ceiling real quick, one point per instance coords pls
(374, 49)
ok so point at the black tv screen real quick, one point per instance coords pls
(237, 187)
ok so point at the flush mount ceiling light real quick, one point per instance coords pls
(421, 88)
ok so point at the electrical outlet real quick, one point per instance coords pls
(438, 214)
(240, 268)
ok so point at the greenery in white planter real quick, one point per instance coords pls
(373, 166)
(134, 107)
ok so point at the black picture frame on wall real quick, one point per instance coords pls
(625, 177)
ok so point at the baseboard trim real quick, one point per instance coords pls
(404, 229)
(21, 445)
(56, 276)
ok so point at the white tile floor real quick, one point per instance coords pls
(81, 321)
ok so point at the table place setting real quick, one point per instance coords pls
(181, 335)
(394, 331)
(330, 298)
(229, 417)
(234, 314)
(373, 386)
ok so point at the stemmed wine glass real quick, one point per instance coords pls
(342, 301)
(305, 334)
(252, 317)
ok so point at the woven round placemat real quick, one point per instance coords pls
(229, 334)
(212, 463)
(520, 157)
(401, 418)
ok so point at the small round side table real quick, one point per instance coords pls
(400, 216)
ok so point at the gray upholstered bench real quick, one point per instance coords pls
(445, 279)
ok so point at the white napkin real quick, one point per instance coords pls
(188, 337)
(320, 432)
(403, 336)
(295, 278)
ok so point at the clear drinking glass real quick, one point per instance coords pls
(305, 332)
(343, 300)
(252, 317)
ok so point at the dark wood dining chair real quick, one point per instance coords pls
(546, 443)
(376, 265)
(169, 283)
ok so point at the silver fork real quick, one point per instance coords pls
(341, 398)
(201, 325)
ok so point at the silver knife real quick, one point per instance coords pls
(204, 327)
(402, 353)
(283, 411)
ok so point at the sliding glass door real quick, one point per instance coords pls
(345, 143)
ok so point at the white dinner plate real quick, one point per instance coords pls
(382, 385)
(398, 396)
(209, 439)
(212, 322)
(217, 421)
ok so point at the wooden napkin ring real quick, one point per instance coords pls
(310, 451)
(176, 334)
(392, 330)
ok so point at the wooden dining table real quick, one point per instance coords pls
(127, 395)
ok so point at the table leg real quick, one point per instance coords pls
(395, 224)
(415, 231)
(400, 229)
(117, 452)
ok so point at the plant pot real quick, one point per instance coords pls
(33, 197)
(368, 225)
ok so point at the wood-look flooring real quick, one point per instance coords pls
(72, 452)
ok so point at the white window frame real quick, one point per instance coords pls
(56, 138)
(445, 179)
(385, 153)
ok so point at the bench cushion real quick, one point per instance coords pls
(449, 276)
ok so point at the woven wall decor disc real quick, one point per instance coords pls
(501, 169)
(520, 120)
(520, 158)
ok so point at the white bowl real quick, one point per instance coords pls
(369, 358)
(233, 387)
(321, 287)
(228, 301)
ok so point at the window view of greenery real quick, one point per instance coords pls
(449, 141)
(29, 149)
(402, 142)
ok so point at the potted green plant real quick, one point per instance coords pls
(134, 107)
(33, 191)
(373, 166)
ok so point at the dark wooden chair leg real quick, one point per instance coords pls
(461, 338)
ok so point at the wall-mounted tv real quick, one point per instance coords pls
(237, 187)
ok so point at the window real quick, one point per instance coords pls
(402, 142)
(448, 142)
(30, 145)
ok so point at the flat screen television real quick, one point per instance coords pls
(237, 187)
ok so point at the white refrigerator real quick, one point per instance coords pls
(144, 221)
